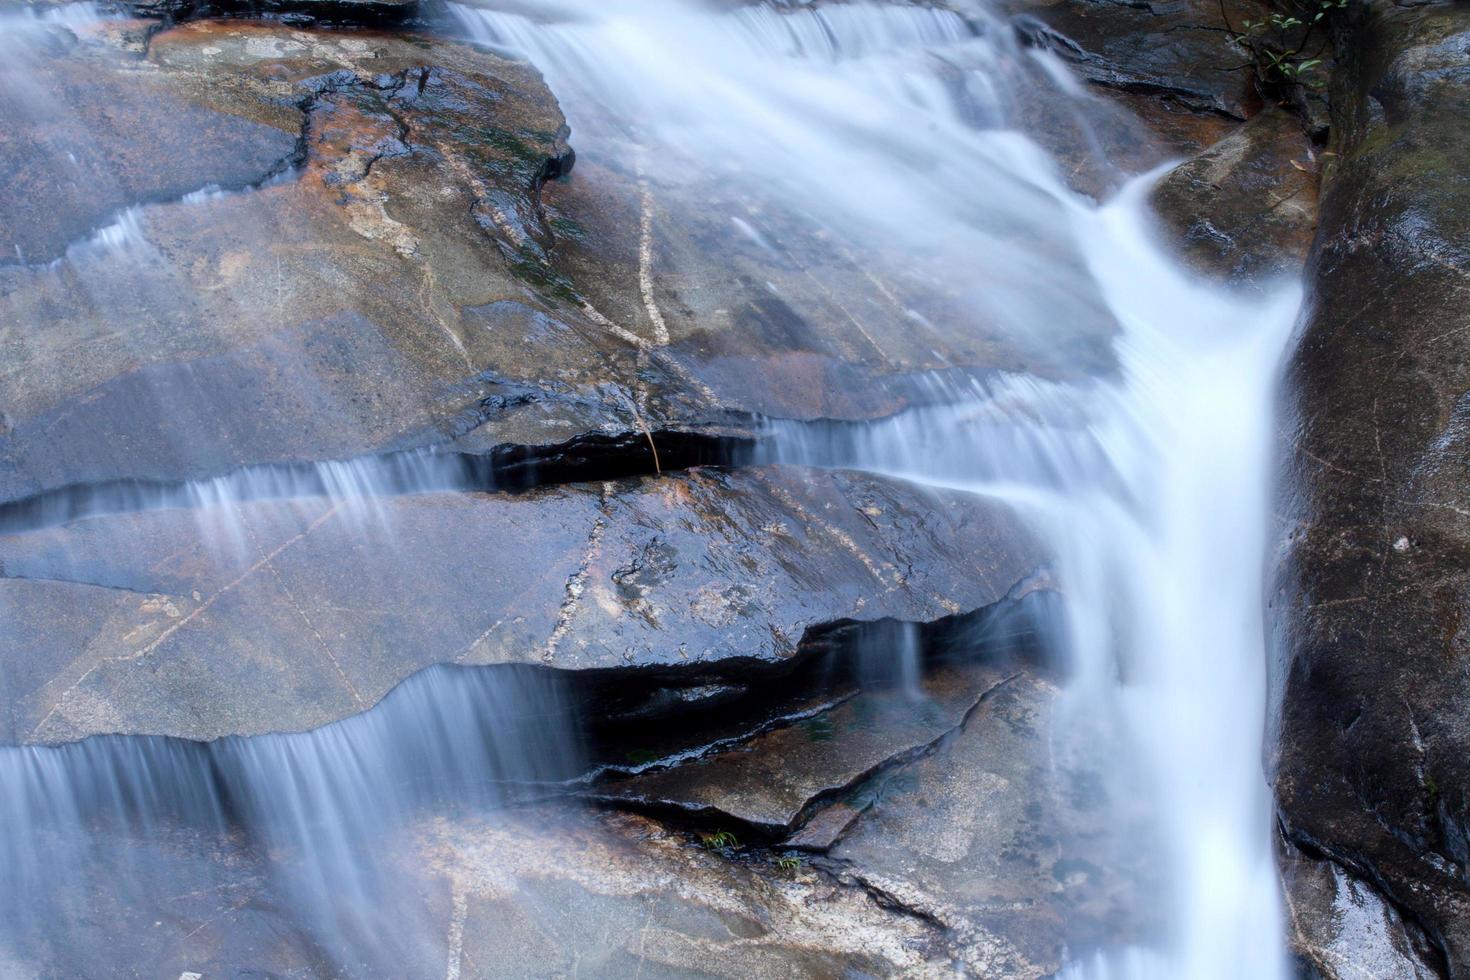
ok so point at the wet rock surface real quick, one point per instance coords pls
(356, 249)
(1341, 928)
(218, 914)
(1245, 210)
(301, 612)
(1371, 770)
(302, 319)
(981, 857)
(621, 895)
(1010, 835)
(86, 142)
(329, 244)
(347, 13)
(1172, 62)
(770, 783)
(1178, 49)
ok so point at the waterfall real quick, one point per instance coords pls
(897, 130)
(319, 805)
(1152, 486)
(1155, 503)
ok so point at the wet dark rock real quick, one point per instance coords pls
(1178, 51)
(1245, 210)
(767, 785)
(351, 13)
(1169, 81)
(284, 615)
(1341, 928)
(1372, 769)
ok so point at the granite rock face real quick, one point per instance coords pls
(309, 247)
(1371, 766)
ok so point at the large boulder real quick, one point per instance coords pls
(963, 803)
(1245, 210)
(1372, 762)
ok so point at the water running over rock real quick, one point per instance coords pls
(884, 156)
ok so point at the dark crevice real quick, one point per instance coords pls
(630, 707)
(1003, 634)
(720, 743)
(883, 898)
(503, 469)
(327, 13)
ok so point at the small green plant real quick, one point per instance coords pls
(1278, 42)
(790, 864)
(721, 840)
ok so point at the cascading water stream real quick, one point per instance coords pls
(892, 129)
(1156, 514)
(1153, 491)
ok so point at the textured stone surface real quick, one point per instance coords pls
(622, 896)
(85, 140)
(1245, 210)
(1177, 50)
(1372, 768)
(770, 781)
(1012, 836)
(1168, 81)
(360, 302)
(403, 275)
(1341, 929)
(300, 612)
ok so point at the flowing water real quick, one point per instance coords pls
(900, 133)
(1155, 507)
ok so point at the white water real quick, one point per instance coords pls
(1156, 509)
(886, 128)
(877, 124)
